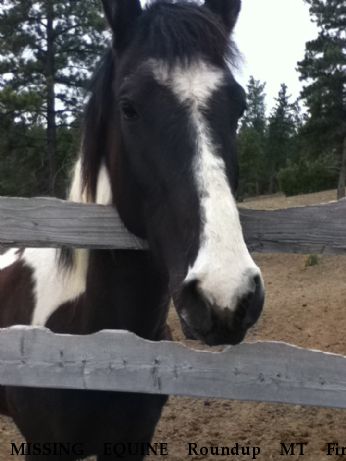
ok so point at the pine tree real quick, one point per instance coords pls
(251, 140)
(47, 50)
(255, 116)
(282, 130)
(324, 71)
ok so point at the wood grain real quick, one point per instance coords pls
(313, 229)
(46, 222)
(120, 361)
(43, 222)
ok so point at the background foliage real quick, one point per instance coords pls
(304, 151)
(47, 51)
(49, 48)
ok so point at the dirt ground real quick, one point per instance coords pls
(305, 305)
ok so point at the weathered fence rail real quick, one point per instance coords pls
(271, 372)
(119, 361)
(311, 229)
(50, 222)
(47, 222)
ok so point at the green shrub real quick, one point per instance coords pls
(312, 260)
(308, 176)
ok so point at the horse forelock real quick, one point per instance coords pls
(182, 31)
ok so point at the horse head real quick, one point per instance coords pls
(168, 129)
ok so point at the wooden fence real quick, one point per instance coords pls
(49, 223)
(120, 361)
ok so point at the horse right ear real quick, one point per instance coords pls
(121, 16)
(226, 10)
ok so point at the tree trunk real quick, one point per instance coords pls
(342, 174)
(257, 188)
(271, 184)
(50, 82)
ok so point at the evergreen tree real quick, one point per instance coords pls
(282, 131)
(47, 50)
(324, 71)
(255, 115)
(251, 140)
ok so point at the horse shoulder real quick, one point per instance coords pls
(35, 278)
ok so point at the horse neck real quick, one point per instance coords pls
(124, 289)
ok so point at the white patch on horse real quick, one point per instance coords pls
(223, 267)
(9, 258)
(192, 84)
(55, 285)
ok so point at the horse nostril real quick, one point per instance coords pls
(252, 302)
(257, 280)
(256, 284)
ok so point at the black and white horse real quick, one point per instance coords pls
(160, 145)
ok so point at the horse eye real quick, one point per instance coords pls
(128, 110)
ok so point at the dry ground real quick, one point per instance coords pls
(304, 306)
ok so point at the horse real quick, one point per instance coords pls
(158, 144)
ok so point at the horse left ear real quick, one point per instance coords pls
(227, 10)
(121, 16)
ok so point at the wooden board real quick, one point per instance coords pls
(46, 222)
(50, 223)
(313, 229)
(120, 361)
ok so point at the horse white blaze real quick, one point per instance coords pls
(223, 267)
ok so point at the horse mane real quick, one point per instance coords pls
(183, 30)
(96, 117)
(169, 31)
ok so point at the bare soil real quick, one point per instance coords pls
(305, 305)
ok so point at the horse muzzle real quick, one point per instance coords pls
(206, 321)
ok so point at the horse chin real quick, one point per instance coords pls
(215, 336)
